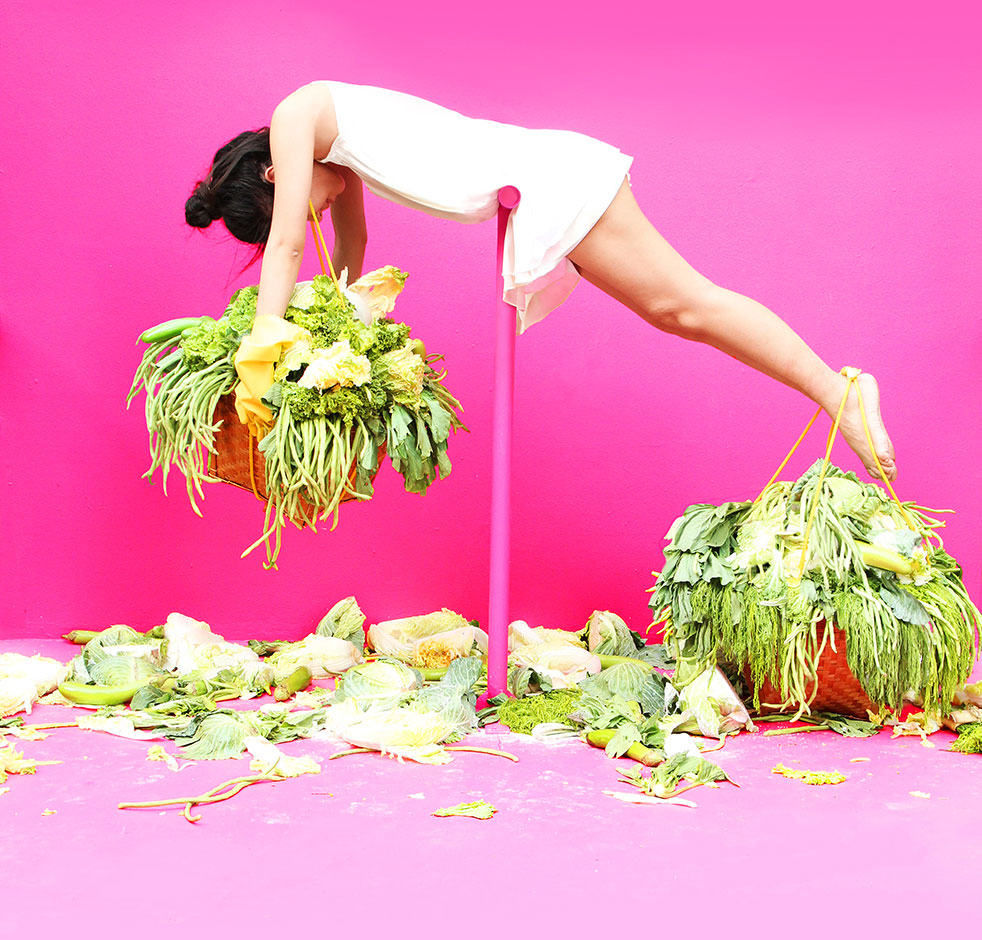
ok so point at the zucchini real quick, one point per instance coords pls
(80, 637)
(169, 329)
(83, 694)
(643, 755)
(287, 686)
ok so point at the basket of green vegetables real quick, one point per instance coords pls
(865, 613)
(822, 593)
(352, 388)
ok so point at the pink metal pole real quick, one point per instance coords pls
(501, 435)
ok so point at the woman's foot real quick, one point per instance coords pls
(851, 425)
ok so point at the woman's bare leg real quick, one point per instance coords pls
(628, 259)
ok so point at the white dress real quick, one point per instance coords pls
(427, 157)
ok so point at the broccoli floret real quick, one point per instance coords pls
(969, 739)
(208, 342)
(350, 403)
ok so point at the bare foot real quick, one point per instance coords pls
(851, 426)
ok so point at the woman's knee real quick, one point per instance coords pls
(683, 310)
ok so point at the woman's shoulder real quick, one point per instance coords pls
(310, 106)
(313, 94)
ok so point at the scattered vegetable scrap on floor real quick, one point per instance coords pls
(663, 781)
(269, 759)
(920, 794)
(811, 777)
(844, 725)
(409, 690)
(224, 791)
(637, 797)
(157, 753)
(13, 761)
(16, 728)
(479, 809)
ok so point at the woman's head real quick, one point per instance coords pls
(236, 189)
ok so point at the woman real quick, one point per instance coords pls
(577, 218)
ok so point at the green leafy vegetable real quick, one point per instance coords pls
(664, 780)
(380, 681)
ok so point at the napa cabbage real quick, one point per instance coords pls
(24, 679)
(337, 366)
(322, 655)
(433, 639)
(557, 656)
(636, 682)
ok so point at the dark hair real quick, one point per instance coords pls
(235, 189)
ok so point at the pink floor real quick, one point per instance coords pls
(356, 847)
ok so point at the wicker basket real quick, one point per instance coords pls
(236, 458)
(835, 688)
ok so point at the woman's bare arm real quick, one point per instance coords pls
(350, 230)
(295, 129)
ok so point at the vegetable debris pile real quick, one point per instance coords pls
(408, 688)
(348, 385)
(743, 586)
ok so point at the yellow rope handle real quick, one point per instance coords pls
(883, 476)
(852, 378)
(322, 245)
(784, 462)
(317, 245)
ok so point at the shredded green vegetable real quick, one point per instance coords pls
(521, 715)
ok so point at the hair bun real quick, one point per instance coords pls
(200, 210)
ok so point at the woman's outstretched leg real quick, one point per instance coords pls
(628, 259)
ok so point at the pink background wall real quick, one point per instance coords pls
(826, 163)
